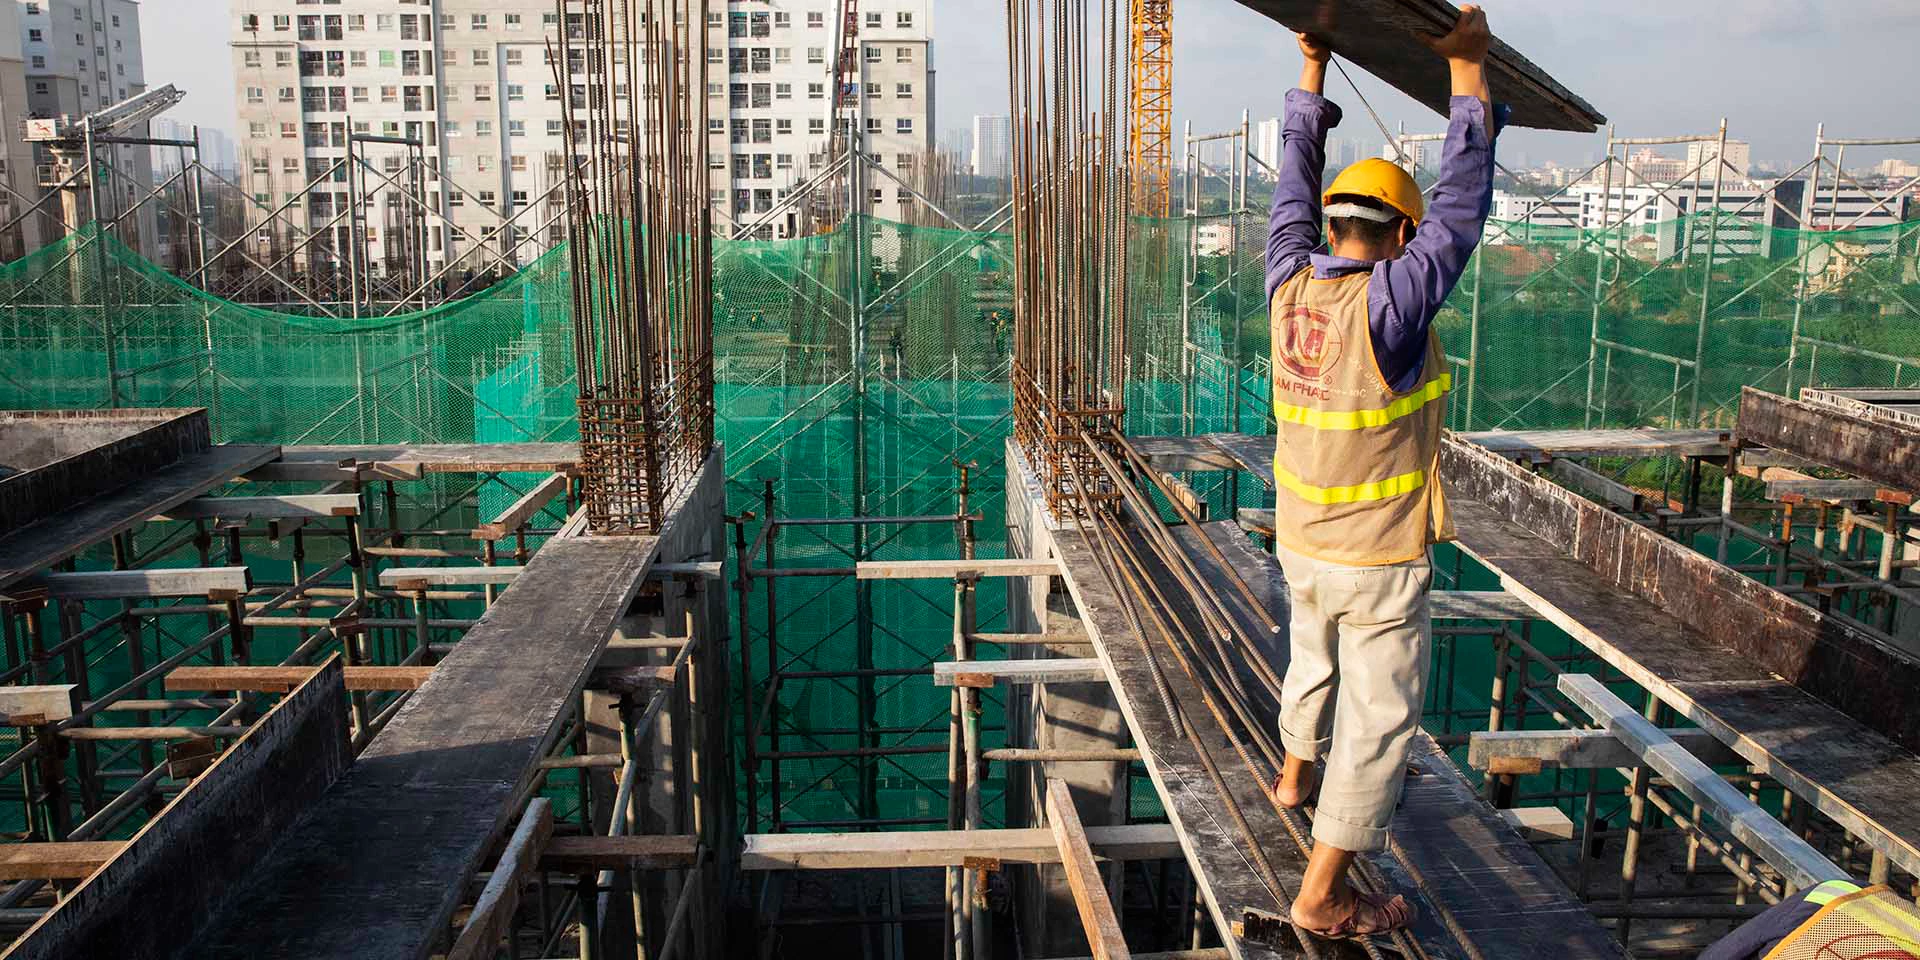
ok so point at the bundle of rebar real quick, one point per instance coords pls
(1070, 216)
(638, 231)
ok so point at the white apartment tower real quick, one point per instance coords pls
(993, 147)
(775, 66)
(472, 82)
(80, 57)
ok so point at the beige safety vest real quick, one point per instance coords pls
(1355, 465)
(1851, 923)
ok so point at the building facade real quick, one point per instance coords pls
(81, 56)
(992, 147)
(471, 81)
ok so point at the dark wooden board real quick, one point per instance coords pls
(34, 548)
(1823, 655)
(1382, 37)
(68, 457)
(1853, 773)
(1474, 866)
(1882, 450)
(164, 885)
(379, 867)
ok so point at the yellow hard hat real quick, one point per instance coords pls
(1383, 180)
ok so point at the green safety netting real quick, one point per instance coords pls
(855, 370)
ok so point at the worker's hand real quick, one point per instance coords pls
(1467, 41)
(1313, 48)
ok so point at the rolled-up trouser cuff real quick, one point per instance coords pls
(1346, 835)
(1305, 748)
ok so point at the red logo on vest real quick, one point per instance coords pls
(1307, 344)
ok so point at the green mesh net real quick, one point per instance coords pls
(857, 369)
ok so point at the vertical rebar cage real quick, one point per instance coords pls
(639, 226)
(1070, 223)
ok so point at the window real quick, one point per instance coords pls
(356, 21)
(450, 93)
(34, 35)
(449, 57)
(482, 57)
(873, 124)
(390, 59)
(903, 20)
(515, 56)
(516, 92)
(517, 163)
(257, 130)
(816, 125)
(281, 22)
(554, 128)
(816, 54)
(902, 54)
(512, 20)
(762, 131)
(783, 91)
(477, 22)
(357, 58)
(816, 91)
(262, 165)
(903, 125)
(283, 58)
(389, 94)
(782, 20)
(482, 92)
(286, 94)
(256, 95)
(783, 161)
(359, 94)
(383, 21)
(873, 20)
(873, 54)
(783, 126)
(782, 55)
(816, 19)
(873, 90)
(903, 161)
(32, 9)
(250, 58)
(290, 131)
(40, 63)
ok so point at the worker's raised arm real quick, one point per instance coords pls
(1293, 226)
(1417, 283)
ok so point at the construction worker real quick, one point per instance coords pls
(1830, 920)
(1359, 384)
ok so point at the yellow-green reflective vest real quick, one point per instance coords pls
(1874, 922)
(1355, 463)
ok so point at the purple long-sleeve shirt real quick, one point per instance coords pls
(1406, 292)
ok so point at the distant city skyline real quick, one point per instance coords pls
(1772, 67)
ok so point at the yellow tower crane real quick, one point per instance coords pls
(1150, 144)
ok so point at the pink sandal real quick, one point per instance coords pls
(1372, 915)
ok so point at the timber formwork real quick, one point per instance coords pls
(395, 695)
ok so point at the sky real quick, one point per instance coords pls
(1773, 68)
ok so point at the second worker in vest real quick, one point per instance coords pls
(1359, 388)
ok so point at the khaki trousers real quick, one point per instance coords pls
(1354, 687)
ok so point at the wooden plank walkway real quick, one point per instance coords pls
(1460, 848)
(38, 546)
(415, 815)
(1850, 772)
(415, 459)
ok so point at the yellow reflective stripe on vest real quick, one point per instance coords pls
(1358, 419)
(1354, 493)
(1831, 890)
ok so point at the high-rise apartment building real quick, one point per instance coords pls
(992, 147)
(81, 56)
(1700, 156)
(472, 82)
(775, 65)
(16, 158)
(1266, 145)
